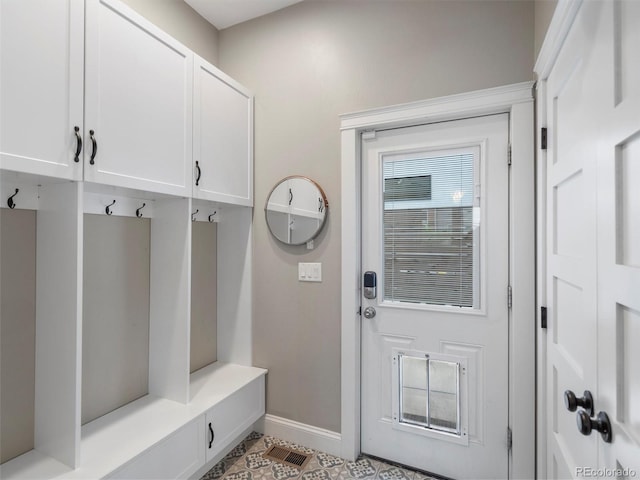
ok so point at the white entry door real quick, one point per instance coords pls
(435, 330)
(593, 268)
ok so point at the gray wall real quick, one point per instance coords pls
(204, 295)
(17, 331)
(307, 64)
(115, 312)
(543, 12)
(181, 22)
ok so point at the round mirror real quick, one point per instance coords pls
(296, 210)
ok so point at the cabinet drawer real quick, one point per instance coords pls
(230, 417)
(177, 456)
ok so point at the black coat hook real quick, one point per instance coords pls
(108, 209)
(193, 215)
(211, 216)
(138, 212)
(10, 201)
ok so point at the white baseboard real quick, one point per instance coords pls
(302, 434)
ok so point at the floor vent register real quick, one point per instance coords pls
(287, 456)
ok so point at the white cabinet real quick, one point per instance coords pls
(177, 456)
(232, 416)
(128, 87)
(222, 137)
(96, 92)
(41, 82)
(138, 98)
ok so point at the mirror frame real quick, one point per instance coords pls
(324, 200)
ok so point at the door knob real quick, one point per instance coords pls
(369, 312)
(572, 402)
(601, 424)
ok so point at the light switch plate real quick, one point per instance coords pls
(310, 272)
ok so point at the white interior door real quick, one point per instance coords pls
(435, 355)
(593, 280)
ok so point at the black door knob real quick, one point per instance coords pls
(600, 424)
(572, 402)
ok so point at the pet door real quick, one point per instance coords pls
(428, 392)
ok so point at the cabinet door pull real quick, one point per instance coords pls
(290, 196)
(95, 147)
(211, 435)
(76, 158)
(198, 173)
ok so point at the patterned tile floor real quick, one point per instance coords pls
(245, 462)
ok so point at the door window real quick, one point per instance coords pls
(431, 217)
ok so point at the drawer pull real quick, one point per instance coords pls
(211, 435)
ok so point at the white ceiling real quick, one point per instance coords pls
(225, 13)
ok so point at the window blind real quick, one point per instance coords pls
(430, 240)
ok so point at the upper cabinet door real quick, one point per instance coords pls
(138, 102)
(41, 86)
(222, 137)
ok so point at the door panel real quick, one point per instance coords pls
(619, 238)
(572, 276)
(439, 246)
(593, 268)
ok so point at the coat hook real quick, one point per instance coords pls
(138, 212)
(10, 201)
(193, 215)
(108, 209)
(211, 217)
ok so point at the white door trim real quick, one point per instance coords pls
(563, 17)
(517, 100)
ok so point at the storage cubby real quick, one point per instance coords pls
(136, 297)
(204, 277)
(126, 300)
(227, 230)
(134, 272)
(44, 316)
(17, 331)
(115, 312)
(234, 293)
